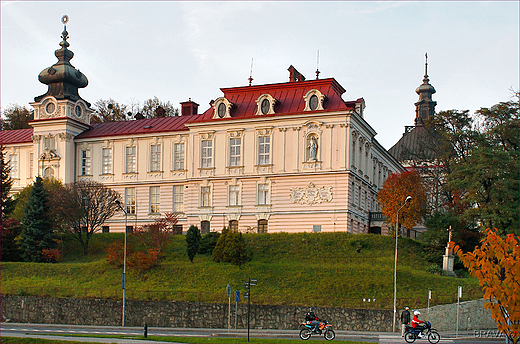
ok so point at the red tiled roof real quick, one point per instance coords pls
(289, 96)
(142, 126)
(16, 136)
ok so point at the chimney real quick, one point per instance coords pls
(189, 108)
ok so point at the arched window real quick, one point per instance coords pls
(233, 225)
(262, 226)
(48, 172)
(204, 227)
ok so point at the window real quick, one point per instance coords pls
(106, 161)
(234, 193)
(265, 106)
(49, 143)
(359, 196)
(85, 162)
(130, 200)
(31, 165)
(207, 152)
(233, 225)
(234, 151)
(131, 159)
(264, 145)
(262, 194)
(313, 102)
(155, 158)
(204, 227)
(155, 199)
(316, 228)
(205, 196)
(353, 160)
(105, 229)
(178, 198)
(262, 226)
(178, 156)
(13, 164)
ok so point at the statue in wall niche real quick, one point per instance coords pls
(313, 149)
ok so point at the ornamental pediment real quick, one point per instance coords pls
(311, 194)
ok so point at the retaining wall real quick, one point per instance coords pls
(107, 312)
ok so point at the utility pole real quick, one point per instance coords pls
(247, 294)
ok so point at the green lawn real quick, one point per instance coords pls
(331, 269)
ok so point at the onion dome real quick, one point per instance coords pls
(425, 90)
(62, 78)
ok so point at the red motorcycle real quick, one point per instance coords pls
(323, 328)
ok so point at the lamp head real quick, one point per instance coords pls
(408, 199)
(118, 202)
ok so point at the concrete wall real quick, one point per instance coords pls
(472, 316)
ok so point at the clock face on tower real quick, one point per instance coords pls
(78, 111)
(50, 108)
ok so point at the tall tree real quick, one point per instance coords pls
(488, 176)
(16, 117)
(37, 232)
(82, 207)
(193, 239)
(150, 107)
(496, 265)
(392, 196)
(108, 111)
(6, 202)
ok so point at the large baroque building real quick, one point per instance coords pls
(291, 156)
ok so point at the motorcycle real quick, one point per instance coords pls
(411, 334)
(323, 328)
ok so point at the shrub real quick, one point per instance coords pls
(434, 269)
(208, 242)
(51, 255)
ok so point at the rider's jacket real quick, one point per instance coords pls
(416, 321)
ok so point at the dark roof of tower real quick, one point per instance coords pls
(62, 78)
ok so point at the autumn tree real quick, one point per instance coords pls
(392, 196)
(145, 244)
(82, 207)
(16, 117)
(496, 264)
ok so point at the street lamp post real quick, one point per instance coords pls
(124, 264)
(407, 200)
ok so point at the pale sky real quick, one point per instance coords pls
(136, 50)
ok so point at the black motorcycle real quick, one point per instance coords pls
(411, 334)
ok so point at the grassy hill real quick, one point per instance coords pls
(320, 269)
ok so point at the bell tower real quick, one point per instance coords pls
(59, 115)
(425, 107)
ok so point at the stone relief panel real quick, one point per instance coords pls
(311, 194)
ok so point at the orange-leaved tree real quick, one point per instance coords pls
(396, 188)
(496, 264)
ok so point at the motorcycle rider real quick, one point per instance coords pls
(416, 322)
(312, 319)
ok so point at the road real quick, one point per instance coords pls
(48, 330)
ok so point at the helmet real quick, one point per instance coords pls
(416, 312)
(312, 309)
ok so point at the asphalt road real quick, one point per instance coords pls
(62, 331)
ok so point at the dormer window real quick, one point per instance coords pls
(266, 104)
(222, 108)
(314, 100)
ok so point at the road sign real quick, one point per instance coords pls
(237, 295)
(228, 290)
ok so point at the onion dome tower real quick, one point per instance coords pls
(62, 98)
(425, 107)
(59, 115)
